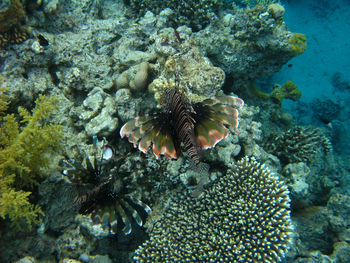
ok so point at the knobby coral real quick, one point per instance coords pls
(26, 150)
(243, 217)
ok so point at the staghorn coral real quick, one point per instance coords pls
(243, 217)
(298, 145)
(26, 150)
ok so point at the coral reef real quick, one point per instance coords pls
(13, 36)
(298, 145)
(196, 14)
(243, 216)
(105, 66)
(196, 74)
(251, 44)
(26, 154)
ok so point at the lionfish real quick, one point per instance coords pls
(104, 195)
(196, 126)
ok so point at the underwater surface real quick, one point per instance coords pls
(174, 131)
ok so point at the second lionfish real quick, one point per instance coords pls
(196, 126)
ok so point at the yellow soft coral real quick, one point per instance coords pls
(298, 43)
(288, 90)
(26, 150)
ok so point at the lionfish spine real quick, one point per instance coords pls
(183, 122)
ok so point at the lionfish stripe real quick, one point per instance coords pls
(127, 128)
(168, 148)
(157, 144)
(134, 213)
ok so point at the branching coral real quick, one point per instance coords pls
(26, 150)
(243, 217)
(298, 145)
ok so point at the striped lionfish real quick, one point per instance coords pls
(196, 126)
(104, 195)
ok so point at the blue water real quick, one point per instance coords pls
(327, 27)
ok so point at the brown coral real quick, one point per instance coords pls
(11, 14)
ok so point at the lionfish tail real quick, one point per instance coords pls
(203, 170)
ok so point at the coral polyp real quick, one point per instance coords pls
(104, 195)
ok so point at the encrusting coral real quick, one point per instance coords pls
(26, 150)
(242, 217)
